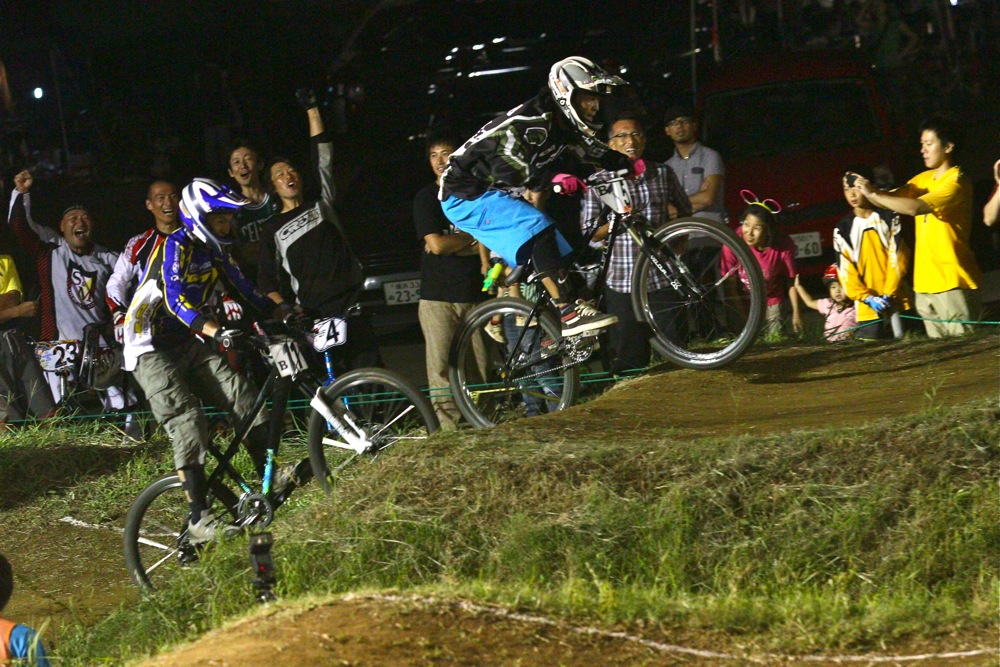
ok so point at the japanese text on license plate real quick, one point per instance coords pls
(400, 292)
(807, 245)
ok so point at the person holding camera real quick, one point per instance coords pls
(991, 212)
(945, 274)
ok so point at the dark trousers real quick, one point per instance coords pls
(629, 338)
(23, 388)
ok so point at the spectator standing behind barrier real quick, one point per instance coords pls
(451, 276)
(872, 260)
(776, 255)
(991, 212)
(657, 195)
(305, 254)
(23, 388)
(18, 642)
(839, 314)
(945, 274)
(699, 168)
(73, 273)
(245, 167)
(162, 201)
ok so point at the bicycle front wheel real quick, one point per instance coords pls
(701, 291)
(385, 407)
(155, 539)
(500, 369)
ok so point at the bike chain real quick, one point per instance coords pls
(577, 358)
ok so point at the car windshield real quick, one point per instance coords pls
(789, 118)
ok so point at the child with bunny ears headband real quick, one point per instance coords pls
(776, 255)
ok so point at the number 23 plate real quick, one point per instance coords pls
(400, 292)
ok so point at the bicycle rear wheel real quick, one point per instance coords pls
(518, 380)
(387, 408)
(155, 539)
(704, 298)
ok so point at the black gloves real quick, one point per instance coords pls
(306, 97)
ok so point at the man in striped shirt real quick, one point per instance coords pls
(654, 189)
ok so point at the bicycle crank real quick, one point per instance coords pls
(254, 508)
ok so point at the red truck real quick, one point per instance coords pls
(787, 126)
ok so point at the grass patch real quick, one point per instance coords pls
(837, 539)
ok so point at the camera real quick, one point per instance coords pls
(263, 566)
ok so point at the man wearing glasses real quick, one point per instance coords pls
(656, 195)
(699, 168)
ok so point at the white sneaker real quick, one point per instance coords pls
(208, 527)
(495, 331)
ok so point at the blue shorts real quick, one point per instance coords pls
(501, 222)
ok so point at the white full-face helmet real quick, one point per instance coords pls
(579, 74)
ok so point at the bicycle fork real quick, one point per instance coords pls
(676, 271)
(344, 424)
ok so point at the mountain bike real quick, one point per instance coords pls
(695, 284)
(360, 414)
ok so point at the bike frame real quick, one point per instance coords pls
(616, 198)
(278, 388)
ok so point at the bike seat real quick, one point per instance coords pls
(515, 276)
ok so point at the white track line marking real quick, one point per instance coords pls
(93, 526)
(669, 648)
(658, 646)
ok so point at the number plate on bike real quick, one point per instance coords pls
(57, 355)
(400, 292)
(328, 333)
(288, 358)
(807, 245)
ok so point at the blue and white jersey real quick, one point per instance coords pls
(178, 284)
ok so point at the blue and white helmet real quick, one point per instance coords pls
(201, 197)
(575, 73)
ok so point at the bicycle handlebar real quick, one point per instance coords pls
(598, 177)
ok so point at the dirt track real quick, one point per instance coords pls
(771, 391)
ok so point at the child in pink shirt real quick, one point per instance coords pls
(840, 318)
(776, 255)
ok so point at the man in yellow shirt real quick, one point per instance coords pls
(945, 274)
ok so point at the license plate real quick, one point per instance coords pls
(401, 292)
(807, 245)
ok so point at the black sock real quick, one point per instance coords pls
(195, 486)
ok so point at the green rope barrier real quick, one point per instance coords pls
(598, 377)
(952, 321)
